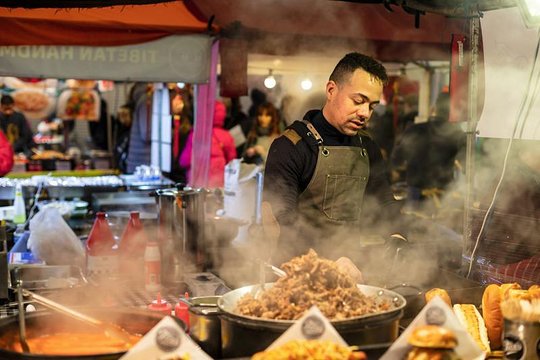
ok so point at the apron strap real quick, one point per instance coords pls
(313, 132)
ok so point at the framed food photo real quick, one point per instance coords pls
(35, 104)
(78, 104)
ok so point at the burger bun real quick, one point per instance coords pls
(438, 292)
(433, 336)
(431, 354)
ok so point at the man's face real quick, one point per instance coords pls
(349, 105)
(7, 109)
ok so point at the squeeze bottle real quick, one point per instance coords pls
(152, 267)
(20, 209)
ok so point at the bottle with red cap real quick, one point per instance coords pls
(181, 310)
(160, 305)
(101, 253)
(132, 246)
(152, 267)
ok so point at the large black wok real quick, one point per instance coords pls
(245, 335)
(136, 321)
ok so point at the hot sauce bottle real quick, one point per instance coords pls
(132, 246)
(181, 310)
(101, 253)
(161, 305)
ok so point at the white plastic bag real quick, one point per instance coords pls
(239, 196)
(53, 241)
(240, 189)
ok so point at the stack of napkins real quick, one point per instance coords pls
(437, 312)
(167, 340)
(313, 325)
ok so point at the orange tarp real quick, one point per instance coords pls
(111, 26)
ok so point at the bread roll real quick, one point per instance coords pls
(518, 294)
(534, 291)
(431, 354)
(438, 292)
(505, 288)
(491, 312)
(470, 318)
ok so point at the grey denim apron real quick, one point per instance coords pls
(331, 205)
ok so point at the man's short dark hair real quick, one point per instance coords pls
(7, 100)
(442, 106)
(353, 61)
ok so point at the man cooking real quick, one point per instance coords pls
(325, 178)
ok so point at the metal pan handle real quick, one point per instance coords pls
(407, 286)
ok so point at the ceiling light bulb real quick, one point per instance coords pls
(306, 84)
(270, 81)
(533, 6)
(181, 85)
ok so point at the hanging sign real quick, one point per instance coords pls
(174, 58)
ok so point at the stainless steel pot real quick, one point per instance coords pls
(204, 324)
(245, 335)
(136, 321)
(521, 340)
(181, 231)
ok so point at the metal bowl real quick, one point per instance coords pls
(245, 335)
(136, 321)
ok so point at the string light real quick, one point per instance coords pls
(306, 84)
(270, 81)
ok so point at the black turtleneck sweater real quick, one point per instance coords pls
(290, 167)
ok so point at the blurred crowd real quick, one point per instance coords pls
(235, 133)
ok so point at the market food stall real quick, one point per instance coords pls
(397, 289)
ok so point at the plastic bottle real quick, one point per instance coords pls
(101, 253)
(160, 305)
(20, 237)
(181, 310)
(19, 207)
(132, 246)
(152, 267)
(19, 231)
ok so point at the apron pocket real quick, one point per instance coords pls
(342, 197)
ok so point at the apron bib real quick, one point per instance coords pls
(330, 207)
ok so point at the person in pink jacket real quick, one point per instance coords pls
(6, 155)
(222, 151)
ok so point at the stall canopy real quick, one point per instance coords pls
(322, 28)
(154, 42)
(283, 27)
(34, 4)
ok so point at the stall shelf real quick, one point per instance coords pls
(76, 184)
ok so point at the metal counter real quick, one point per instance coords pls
(62, 187)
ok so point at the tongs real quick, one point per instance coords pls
(275, 269)
(22, 323)
(111, 330)
(263, 266)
